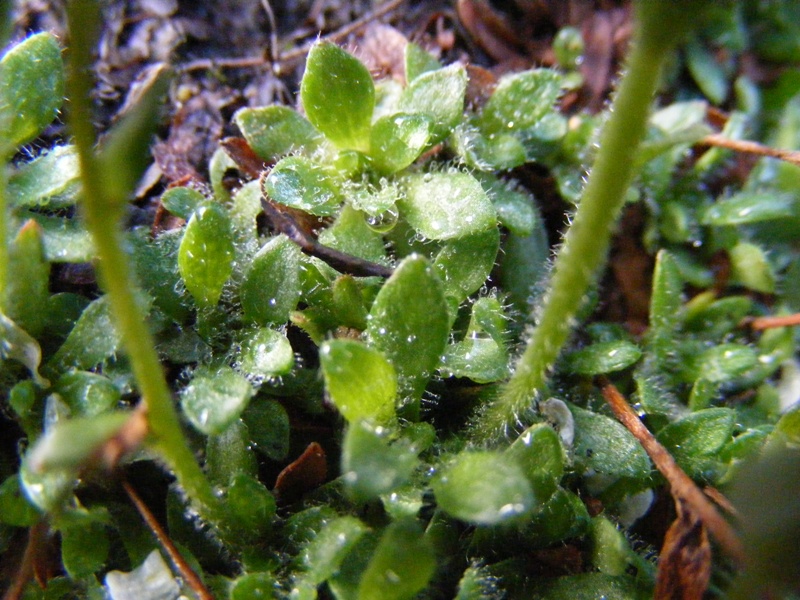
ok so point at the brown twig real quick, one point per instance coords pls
(286, 59)
(28, 567)
(342, 262)
(760, 323)
(720, 141)
(180, 564)
(683, 488)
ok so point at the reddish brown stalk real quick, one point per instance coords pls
(683, 489)
(760, 323)
(720, 141)
(188, 574)
(31, 564)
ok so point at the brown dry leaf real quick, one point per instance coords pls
(684, 566)
(382, 50)
(490, 30)
(303, 475)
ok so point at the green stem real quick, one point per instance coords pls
(587, 240)
(4, 255)
(102, 212)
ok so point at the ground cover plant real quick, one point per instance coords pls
(347, 363)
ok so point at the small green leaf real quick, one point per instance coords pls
(443, 206)
(15, 510)
(750, 207)
(271, 285)
(215, 398)
(666, 299)
(463, 264)
(265, 353)
(603, 357)
(338, 96)
(65, 240)
(87, 393)
(481, 355)
(31, 89)
(250, 504)
(400, 566)
(352, 234)
(371, 466)
(71, 442)
(409, 323)
(45, 180)
(254, 585)
(229, 454)
(205, 256)
(300, 183)
(275, 131)
(541, 455)
(361, 383)
(695, 441)
(92, 340)
(483, 487)
(520, 101)
(182, 201)
(699, 433)
(724, 362)
(268, 424)
(397, 140)
(418, 61)
(707, 73)
(28, 280)
(605, 446)
(438, 95)
(516, 210)
(84, 549)
(750, 268)
(323, 556)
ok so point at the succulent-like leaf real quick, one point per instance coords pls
(215, 398)
(338, 96)
(300, 183)
(205, 256)
(401, 565)
(275, 131)
(438, 95)
(409, 323)
(397, 140)
(483, 487)
(31, 89)
(265, 353)
(442, 206)
(271, 285)
(361, 383)
(371, 466)
(519, 101)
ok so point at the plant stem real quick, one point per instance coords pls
(4, 254)
(587, 240)
(102, 211)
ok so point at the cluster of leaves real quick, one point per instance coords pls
(260, 336)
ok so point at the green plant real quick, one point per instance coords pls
(414, 330)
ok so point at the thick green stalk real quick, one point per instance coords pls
(102, 210)
(586, 242)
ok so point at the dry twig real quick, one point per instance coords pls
(720, 141)
(180, 564)
(286, 59)
(683, 489)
